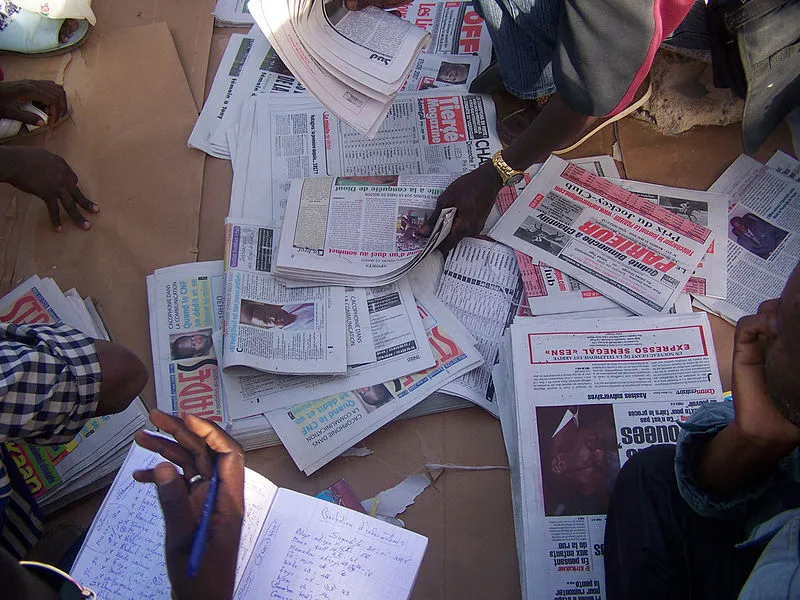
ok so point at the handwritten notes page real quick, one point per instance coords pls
(123, 555)
(310, 549)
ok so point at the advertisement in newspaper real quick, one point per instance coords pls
(186, 306)
(481, 285)
(636, 253)
(318, 431)
(589, 395)
(360, 230)
(385, 340)
(454, 25)
(424, 133)
(763, 235)
(268, 326)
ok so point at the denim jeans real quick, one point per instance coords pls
(524, 35)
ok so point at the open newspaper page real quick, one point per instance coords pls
(638, 254)
(318, 431)
(785, 165)
(601, 390)
(370, 46)
(362, 112)
(232, 13)
(385, 340)
(763, 233)
(360, 230)
(431, 132)
(455, 27)
(186, 304)
(268, 326)
(48, 470)
(548, 290)
(481, 285)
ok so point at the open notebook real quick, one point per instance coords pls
(292, 544)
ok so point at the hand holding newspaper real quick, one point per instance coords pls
(362, 231)
(639, 254)
(354, 62)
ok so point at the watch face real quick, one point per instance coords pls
(515, 178)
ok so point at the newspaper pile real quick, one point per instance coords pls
(577, 398)
(59, 475)
(354, 62)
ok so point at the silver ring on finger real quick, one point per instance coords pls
(196, 479)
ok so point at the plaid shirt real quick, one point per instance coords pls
(49, 387)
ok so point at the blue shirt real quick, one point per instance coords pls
(769, 509)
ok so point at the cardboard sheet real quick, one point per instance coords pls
(190, 22)
(132, 112)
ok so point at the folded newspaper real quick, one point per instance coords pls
(354, 62)
(577, 398)
(60, 474)
(763, 232)
(636, 253)
(318, 431)
(360, 231)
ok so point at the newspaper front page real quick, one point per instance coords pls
(385, 340)
(268, 326)
(318, 431)
(585, 396)
(763, 232)
(186, 304)
(360, 230)
(454, 25)
(638, 254)
(429, 132)
(481, 285)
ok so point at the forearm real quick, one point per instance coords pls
(731, 461)
(555, 127)
(9, 160)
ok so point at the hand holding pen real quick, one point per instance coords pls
(206, 454)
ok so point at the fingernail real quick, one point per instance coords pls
(86, 225)
(95, 208)
(58, 228)
(164, 474)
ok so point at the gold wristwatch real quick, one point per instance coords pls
(507, 174)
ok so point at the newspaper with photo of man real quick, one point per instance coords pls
(578, 398)
(386, 339)
(362, 230)
(317, 431)
(268, 326)
(763, 232)
(639, 254)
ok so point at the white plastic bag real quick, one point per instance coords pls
(60, 9)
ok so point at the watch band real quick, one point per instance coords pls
(508, 175)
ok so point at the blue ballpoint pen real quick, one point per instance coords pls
(200, 535)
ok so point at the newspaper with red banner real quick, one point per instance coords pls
(317, 431)
(577, 398)
(360, 231)
(430, 132)
(638, 254)
(60, 474)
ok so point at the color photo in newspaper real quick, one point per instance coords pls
(589, 394)
(638, 254)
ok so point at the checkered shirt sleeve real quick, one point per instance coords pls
(50, 382)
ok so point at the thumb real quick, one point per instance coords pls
(173, 495)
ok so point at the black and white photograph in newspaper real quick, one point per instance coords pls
(191, 345)
(293, 316)
(753, 233)
(374, 396)
(694, 210)
(579, 458)
(542, 235)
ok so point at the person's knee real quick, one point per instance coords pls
(123, 377)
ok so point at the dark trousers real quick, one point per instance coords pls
(658, 547)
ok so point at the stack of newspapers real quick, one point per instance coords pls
(59, 475)
(354, 62)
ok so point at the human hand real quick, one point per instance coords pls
(49, 177)
(14, 94)
(472, 195)
(359, 4)
(197, 442)
(757, 418)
